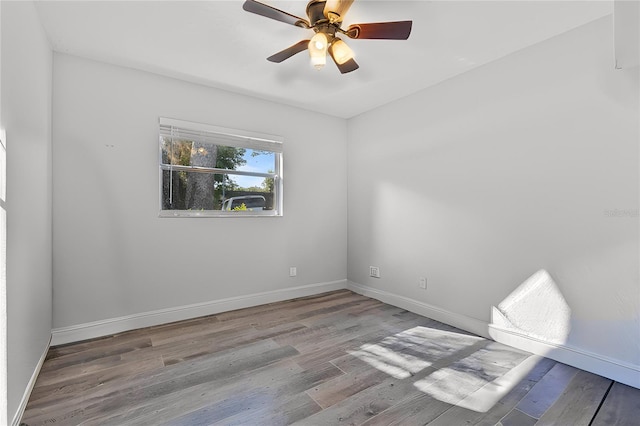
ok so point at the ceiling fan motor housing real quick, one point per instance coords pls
(315, 12)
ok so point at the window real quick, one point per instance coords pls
(213, 171)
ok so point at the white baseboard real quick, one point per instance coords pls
(463, 322)
(613, 369)
(91, 330)
(17, 418)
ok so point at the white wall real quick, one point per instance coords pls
(3, 270)
(481, 181)
(26, 116)
(114, 257)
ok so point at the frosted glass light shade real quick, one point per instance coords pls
(318, 50)
(341, 51)
(336, 9)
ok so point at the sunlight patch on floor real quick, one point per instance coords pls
(395, 364)
(487, 396)
(475, 379)
(411, 351)
(478, 381)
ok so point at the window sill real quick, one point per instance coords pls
(216, 213)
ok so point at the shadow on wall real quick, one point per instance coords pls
(535, 309)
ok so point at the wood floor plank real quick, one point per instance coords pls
(216, 331)
(317, 354)
(579, 402)
(127, 391)
(443, 388)
(212, 343)
(273, 314)
(329, 359)
(417, 409)
(284, 412)
(161, 409)
(288, 305)
(399, 391)
(365, 311)
(479, 409)
(547, 390)
(345, 386)
(134, 397)
(414, 347)
(98, 353)
(356, 334)
(61, 368)
(72, 349)
(324, 326)
(193, 329)
(69, 393)
(620, 408)
(174, 384)
(257, 398)
(363, 405)
(517, 418)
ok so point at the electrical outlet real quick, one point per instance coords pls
(422, 283)
(293, 271)
(374, 271)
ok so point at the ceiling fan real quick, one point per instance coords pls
(325, 19)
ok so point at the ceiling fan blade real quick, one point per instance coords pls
(381, 30)
(350, 65)
(336, 9)
(273, 13)
(289, 51)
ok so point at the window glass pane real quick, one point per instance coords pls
(218, 171)
(202, 154)
(182, 190)
(176, 151)
(227, 157)
(256, 193)
(258, 161)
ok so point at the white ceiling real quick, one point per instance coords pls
(216, 43)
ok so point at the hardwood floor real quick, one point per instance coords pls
(336, 358)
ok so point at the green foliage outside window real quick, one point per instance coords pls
(241, 207)
(187, 187)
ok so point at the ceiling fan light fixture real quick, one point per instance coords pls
(341, 51)
(325, 19)
(335, 10)
(318, 50)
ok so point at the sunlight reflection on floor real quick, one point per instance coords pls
(395, 364)
(487, 396)
(490, 368)
(476, 380)
(406, 353)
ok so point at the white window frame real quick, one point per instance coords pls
(169, 127)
